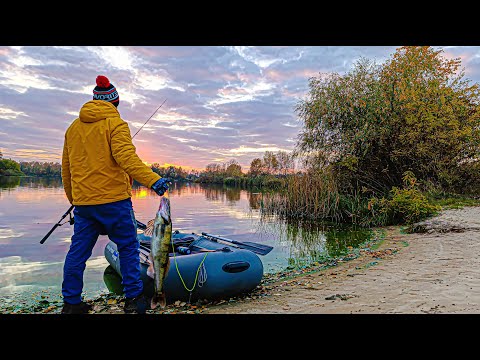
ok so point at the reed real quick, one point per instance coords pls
(310, 196)
(315, 195)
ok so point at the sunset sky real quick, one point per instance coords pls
(222, 102)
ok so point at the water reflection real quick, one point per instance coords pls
(113, 281)
(30, 206)
(221, 193)
(308, 242)
(32, 182)
(8, 182)
(254, 200)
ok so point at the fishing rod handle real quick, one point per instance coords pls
(56, 225)
(141, 225)
(69, 209)
(49, 233)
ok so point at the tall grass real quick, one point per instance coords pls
(315, 195)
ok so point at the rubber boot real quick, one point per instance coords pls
(137, 305)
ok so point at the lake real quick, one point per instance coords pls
(30, 206)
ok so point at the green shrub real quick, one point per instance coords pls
(407, 205)
(10, 167)
(273, 183)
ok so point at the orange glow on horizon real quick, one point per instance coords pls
(184, 167)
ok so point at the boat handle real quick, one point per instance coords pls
(236, 266)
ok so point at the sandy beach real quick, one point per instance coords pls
(433, 272)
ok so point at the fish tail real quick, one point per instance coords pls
(158, 299)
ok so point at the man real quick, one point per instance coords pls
(98, 164)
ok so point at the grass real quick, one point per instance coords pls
(380, 238)
(453, 201)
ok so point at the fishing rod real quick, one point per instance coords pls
(71, 220)
(59, 223)
(149, 118)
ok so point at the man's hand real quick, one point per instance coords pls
(161, 186)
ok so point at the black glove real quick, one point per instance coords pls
(161, 186)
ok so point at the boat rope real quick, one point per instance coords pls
(204, 278)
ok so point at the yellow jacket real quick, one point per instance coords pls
(98, 157)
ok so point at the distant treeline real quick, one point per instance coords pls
(36, 168)
(9, 167)
(269, 171)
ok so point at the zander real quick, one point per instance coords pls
(159, 254)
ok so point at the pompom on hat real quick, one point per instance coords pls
(105, 91)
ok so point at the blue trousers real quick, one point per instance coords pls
(118, 222)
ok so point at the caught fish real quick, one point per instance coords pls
(159, 251)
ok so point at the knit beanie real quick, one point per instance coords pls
(105, 91)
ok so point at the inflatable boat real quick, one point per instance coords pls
(201, 267)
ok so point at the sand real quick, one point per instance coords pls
(433, 272)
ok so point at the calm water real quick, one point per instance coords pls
(29, 207)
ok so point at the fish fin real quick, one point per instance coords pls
(158, 299)
(150, 269)
(149, 229)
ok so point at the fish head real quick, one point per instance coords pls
(164, 209)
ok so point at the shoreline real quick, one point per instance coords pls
(436, 271)
(111, 303)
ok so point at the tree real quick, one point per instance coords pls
(215, 168)
(256, 167)
(214, 172)
(158, 169)
(415, 112)
(233, 169)
(435, 114)
(37, 168)
(1, 155)
(285, 162)
(270, 162)
(10, 167)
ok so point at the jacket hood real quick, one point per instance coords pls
(95, 110)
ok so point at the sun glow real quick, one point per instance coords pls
(140, 194)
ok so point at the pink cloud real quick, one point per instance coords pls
(279, 76)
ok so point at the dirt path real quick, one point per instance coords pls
(435, 272)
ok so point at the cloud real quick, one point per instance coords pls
(222, 102)
(244, 150)
(243, 92)
(114, 56)
(9, 114)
